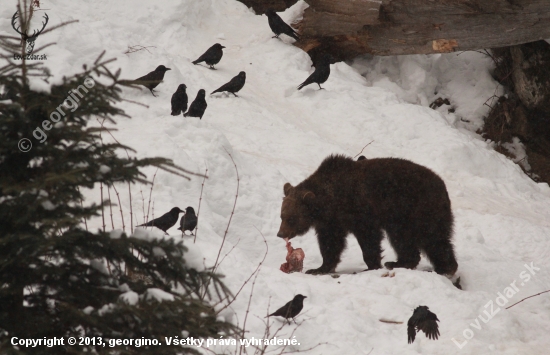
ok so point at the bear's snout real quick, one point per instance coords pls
(285, 233)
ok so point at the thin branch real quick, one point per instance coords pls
(131, 211)
(229, 252)
(151, 192)
(248, 306)
(363, 149)
(540, 293)
(251, 275)
(232, 211)
(110, 207)
(57, 26)
(142, 205)
(390, 321)
(199, 209)
(137, 48)
(102, 206)
(120, 206)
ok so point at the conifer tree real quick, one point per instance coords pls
(53, 276)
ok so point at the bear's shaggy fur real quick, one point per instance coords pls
(408, 201)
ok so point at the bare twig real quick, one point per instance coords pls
(110, 207)
(232, 211)
(199, 209)
(102, 206)
(248, 279)
(363, 149)
(252, 289)
(229, 252)
(137, 48)
(120, 206)
(248, 309)
(142, 205)
(131, 210)
(151, 192)
(226, 229)
(153, 211)
(390, 321)
(540, 293)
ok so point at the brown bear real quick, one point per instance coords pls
(408, 201)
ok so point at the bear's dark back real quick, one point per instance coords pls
(389, 188)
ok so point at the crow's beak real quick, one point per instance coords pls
(168, 69)
(223, 47)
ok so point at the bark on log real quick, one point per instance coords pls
(260, 6)
(347, 28)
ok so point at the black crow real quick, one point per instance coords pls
(212, 56)
(423, 320)
(321, 73)
(151, 80)
(188, 221)
(179, 100)
(164, 222)
(198, 106)
(362, 157)
(234, 85)
(291, 309)
(278, 26)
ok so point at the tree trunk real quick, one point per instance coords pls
(524, 70)
(347, 28)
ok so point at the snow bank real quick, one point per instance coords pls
(278, 134)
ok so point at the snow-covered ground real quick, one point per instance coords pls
(277, 134)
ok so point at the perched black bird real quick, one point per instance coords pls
(362, 157)
(423, 319)
(291, 309)
(164, 222)
(179, 100)
(188, 221)
(198, 106)
(321, 73)
(212, 56)
(151, 80)
(278, 26)
(234, 85)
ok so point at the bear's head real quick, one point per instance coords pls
(296, 216)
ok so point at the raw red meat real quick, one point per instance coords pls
(294, 259)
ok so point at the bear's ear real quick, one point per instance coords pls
(287, 188)
(308, 196)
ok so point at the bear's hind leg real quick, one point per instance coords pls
(442, 257)
(332, 243)
(369, 240)
(405, 246)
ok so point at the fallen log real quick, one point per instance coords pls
(348, 28)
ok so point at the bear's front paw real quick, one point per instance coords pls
(390, 265)
(319, 271)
